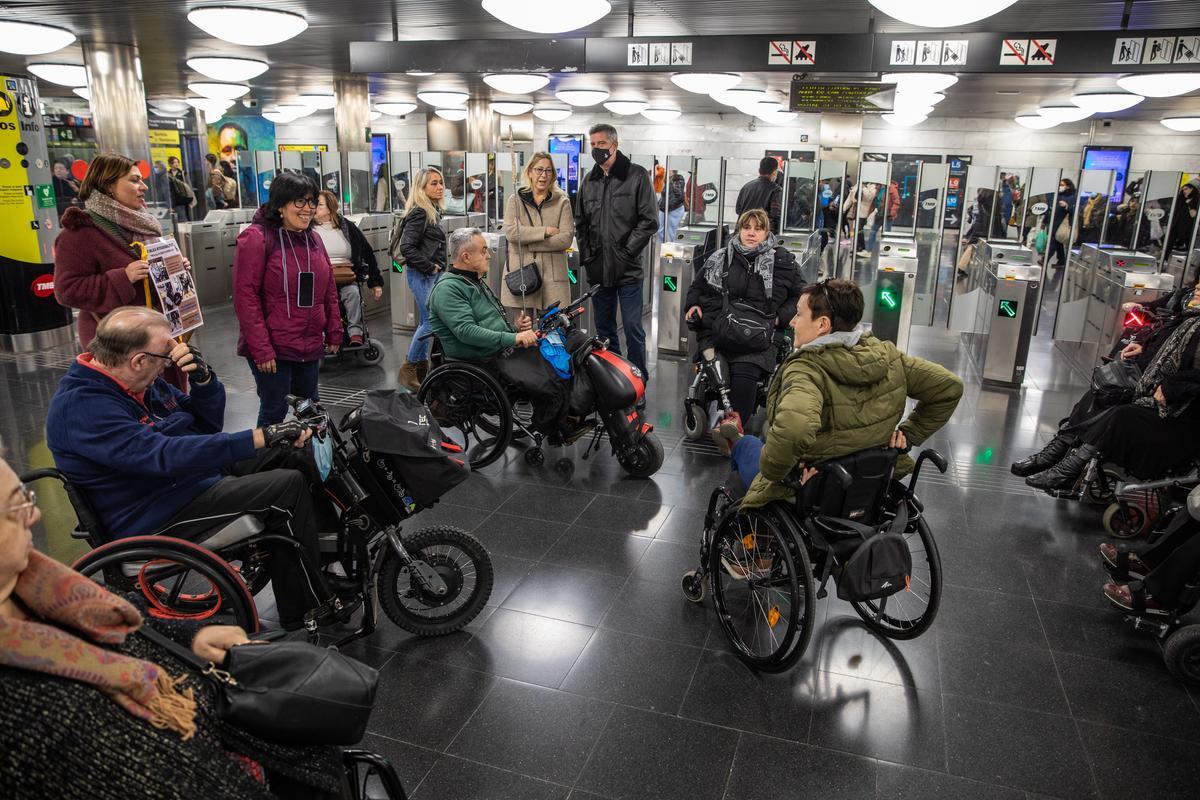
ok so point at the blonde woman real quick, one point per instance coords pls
(423, 246)
(538, 218)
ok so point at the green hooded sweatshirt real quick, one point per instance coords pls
(467, 318)
(842, 393)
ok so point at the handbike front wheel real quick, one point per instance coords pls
(909, 613)
(463, 564)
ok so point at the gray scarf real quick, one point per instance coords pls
(137, 221)
(1167, 362)
(761, 260)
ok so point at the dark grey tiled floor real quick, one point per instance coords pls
(588, 675)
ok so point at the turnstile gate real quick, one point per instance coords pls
(999, 344)
(894, 291)
(677, 265)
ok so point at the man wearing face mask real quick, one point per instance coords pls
(615, 218)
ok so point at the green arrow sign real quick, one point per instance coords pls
(887, 298)
(1008, 308)
(572, 277)
(397, 267)
(669, 283)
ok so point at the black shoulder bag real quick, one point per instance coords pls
(741, 328)
(527, 279)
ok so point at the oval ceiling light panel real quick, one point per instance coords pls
(32, 39)
(623, 108)
(63, 74)
(940, 13)
(1104, 102)
(210, 107)
(1034, 121)
(1064, 113)
(904, 120)
(1161, 84)
(219, 91)
(321, 102)
(582, 97)
(547, 16)
(396, 109)
(278, 117)
(83, 92)
(550, 114)
(296, 110)
(170, 105)
(513, 83)
(254, 27)
(706, 82)
(452, 114)
(740, 97)
(1185, 124)
(661, 114)
(373, 115)
(440, 98)
(228, 69)
(920, 82)
(511, 108)
(416, 73)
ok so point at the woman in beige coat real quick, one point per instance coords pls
(539, 218)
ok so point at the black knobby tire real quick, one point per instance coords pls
(469, 404)
(461, 560)
(750, 611)
(645, 459)
(921, 598)
(373, 352)
(694, 422)
(1181, 652)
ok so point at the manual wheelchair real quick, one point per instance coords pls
(767, 566)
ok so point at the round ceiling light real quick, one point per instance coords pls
(248, 26)
(551, 114)
(940, 13)
(512, 83)
(373, 115)
(1184, 124)
(32, 39)
(582, 97)
(443, 97)
(83, 92)
(706, 82)
(740, 97)
(511, 108)
(296, 110)
(547, 16)
(416, 73)
(1064, 113)
(396, 109)
(228, 69)
(210, 107)
(778, 116)
(219, 91)
(1161, 84)
(63, 74)
(911, 99)
(1034, 121)
(624, 108)
(912, 110)
(920, 82)
(452, 114)
(1104, 102)
(278, 117)
(661, 114)
(171, 105)
(904, 119)
(321, 102)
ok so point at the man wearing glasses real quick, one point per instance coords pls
(152, 459)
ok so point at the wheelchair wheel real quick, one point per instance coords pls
(1182, 654)
(472, 410)
(373, 352)
(645, 459)
(1126, 521)
(694, 422)
(459, 559)
(762, 588)
(1102, 490)
(176, 578)
(909, 613)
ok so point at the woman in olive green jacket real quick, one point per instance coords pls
(539, 227)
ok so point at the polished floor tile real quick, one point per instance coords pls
(597, 550)
(771, 769)
(724, 691)
(572, 595)
(634, 671)
(524, 647)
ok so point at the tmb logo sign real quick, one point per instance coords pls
(43, 286)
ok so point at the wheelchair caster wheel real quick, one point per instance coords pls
(693, 423)
(693, 586)
(1182, 654)
(1130, 522)
(535, 457)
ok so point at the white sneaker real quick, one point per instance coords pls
(864, 253)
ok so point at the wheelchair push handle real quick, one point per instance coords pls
(938, 460)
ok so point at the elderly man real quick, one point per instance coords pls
(469, 323)
(152, 459)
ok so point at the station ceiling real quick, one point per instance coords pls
(309, 62)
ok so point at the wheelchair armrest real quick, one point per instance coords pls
(38, 474)
(89, 524)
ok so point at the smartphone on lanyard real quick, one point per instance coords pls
(304, 294)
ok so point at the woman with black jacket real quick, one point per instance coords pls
(423, 246)
(755, 270)
(1063, 209)
(352, 258)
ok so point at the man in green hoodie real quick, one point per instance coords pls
(840, 391)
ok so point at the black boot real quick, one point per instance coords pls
(1049, 455)
(1065, 473)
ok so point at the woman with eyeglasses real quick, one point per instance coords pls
(539, 227)
(285, 297)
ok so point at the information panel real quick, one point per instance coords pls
(841, 96)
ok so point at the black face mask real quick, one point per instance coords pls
(600, 155)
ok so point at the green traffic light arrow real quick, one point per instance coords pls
(1007, 309)
(887, 298)
(669, 283)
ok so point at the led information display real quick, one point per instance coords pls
(841, 96)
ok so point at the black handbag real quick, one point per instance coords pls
(742, 329)
(1114, 383)
(524, 281)
(292, 693)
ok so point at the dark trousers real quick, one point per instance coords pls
(1058, 251)
(290, 377)
(1174, 560)
(272, 487)
(743, 388)
(532, 376)
(604, 306)
(183, 213)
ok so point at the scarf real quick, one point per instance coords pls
(1167, 362)
(761, 260)
(60, 595)
(138, 221)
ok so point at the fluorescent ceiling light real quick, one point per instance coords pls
(705, 82)
(296, 110)
(1103, 102)
(321, 102)
(624, 108)
(452, 114)
(219, 91)
(511, 108)
(443, 97)
(170, 105)
(1185, 124)
(1034, 121)
(248, 26)
(1064, 113)
(83, 92)
(924, 82)
(582, 97)
(1161, 84)
(396, 109)
(32, 39)
(63, 74)
(661, 114)
(547, 16)
(373, 115)
(228, 69)
(940, 13)
(416, 73)
(904, 120)
(516, 83)
(550, 114)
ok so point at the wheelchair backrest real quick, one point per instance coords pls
(862, 500)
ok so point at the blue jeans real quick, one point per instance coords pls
(421, 284)
(743, 458)
(668, 223)
(290, 377)
(604, 306)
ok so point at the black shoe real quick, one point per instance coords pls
(343, 587)
(1041, 461)
(1065, 473)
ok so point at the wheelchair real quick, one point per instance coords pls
(369, 350)
(710, 389)
(766, 567)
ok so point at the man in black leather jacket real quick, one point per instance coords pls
(616, 215)
(763, 192)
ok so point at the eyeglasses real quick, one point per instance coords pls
(22, 513)
(301, 202)
(543, 170)
(166, 357)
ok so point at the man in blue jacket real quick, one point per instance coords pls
(152, 459)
